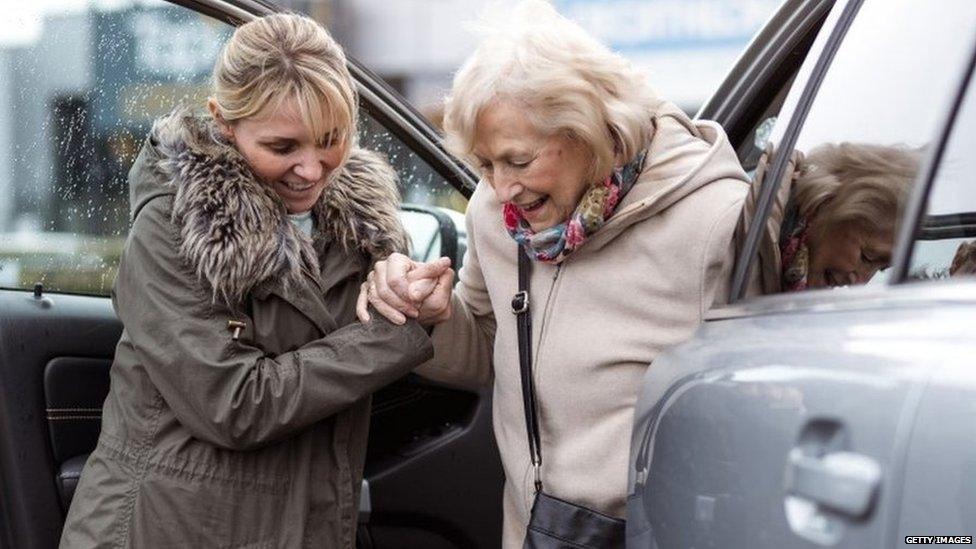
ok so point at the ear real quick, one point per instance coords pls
(225, 128)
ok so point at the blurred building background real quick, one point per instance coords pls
(75, 105)
(684, 46)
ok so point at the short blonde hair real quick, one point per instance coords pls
(284, 57)
(857, 184)
(566, 81)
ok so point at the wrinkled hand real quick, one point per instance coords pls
(399, 287)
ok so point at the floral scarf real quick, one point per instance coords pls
(796, 258)
(552, 245)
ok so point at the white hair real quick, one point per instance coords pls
(566, 81)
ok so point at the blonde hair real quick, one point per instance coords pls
(856, 184)
(282, 57)
(565, 80)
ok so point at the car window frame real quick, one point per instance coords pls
(862, 296)
(778, 163)
(765, 67)
(915, 212)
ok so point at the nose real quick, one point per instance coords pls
(311, 166)
(506, 185)
(862, 275)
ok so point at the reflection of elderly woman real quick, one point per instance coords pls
(840, 223)
(627, 209)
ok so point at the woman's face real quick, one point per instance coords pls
(284, 154)
(544, 176)
(844, 254)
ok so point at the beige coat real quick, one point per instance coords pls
(255, 440)
(639, 285)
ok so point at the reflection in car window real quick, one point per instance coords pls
(838, 203)
(945, 245)
(87, 88)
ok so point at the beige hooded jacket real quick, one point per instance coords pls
(639, 285)
(218, 437)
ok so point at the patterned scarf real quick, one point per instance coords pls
(796, 258)
(552, 245)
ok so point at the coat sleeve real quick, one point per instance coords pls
(229, 392)
(718, 258)
(463, 345)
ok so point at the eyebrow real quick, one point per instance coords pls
(505, 154)
(329, 138)
(325, 139)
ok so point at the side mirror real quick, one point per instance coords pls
(434, 232)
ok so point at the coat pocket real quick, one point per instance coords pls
(176, 512)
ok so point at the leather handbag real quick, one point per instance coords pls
(554, 523)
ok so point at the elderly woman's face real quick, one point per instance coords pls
(284, 154)
(543, 175)
(843, 254)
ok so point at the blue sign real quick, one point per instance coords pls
(634, 26)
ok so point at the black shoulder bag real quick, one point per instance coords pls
(554, 523)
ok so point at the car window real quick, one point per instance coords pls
(420, 184)
(86, 88)
(84, 92)
(945, 243)
(855, 159)
(751, 149)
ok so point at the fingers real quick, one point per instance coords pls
(432, 270)
(362, 303)
(384, 273)
(441, 296)
(437, 307)
(394, 275)
(421, 289)
(383, 308)
(397, 287)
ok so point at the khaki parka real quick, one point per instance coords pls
(240, 392)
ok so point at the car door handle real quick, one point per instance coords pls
(845, 482)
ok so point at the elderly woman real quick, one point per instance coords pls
(833, 223)
(626, 209)
(240, 393)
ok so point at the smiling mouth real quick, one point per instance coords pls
(532, 206)
(833, 281)
(297, 187)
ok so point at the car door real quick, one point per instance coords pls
(785, 420)
(75, 105)
(940, 466)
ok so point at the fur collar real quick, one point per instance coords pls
(234, 230)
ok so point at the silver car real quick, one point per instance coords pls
(836, 416)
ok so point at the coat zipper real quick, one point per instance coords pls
(546, 311)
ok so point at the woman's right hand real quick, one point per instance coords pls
(399, 287)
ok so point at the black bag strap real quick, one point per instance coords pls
(520, 307)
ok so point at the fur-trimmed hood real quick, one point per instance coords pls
(234, 230)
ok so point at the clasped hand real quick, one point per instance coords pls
(399, 287)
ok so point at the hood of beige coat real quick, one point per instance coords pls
(234, 230)
(684, 156)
